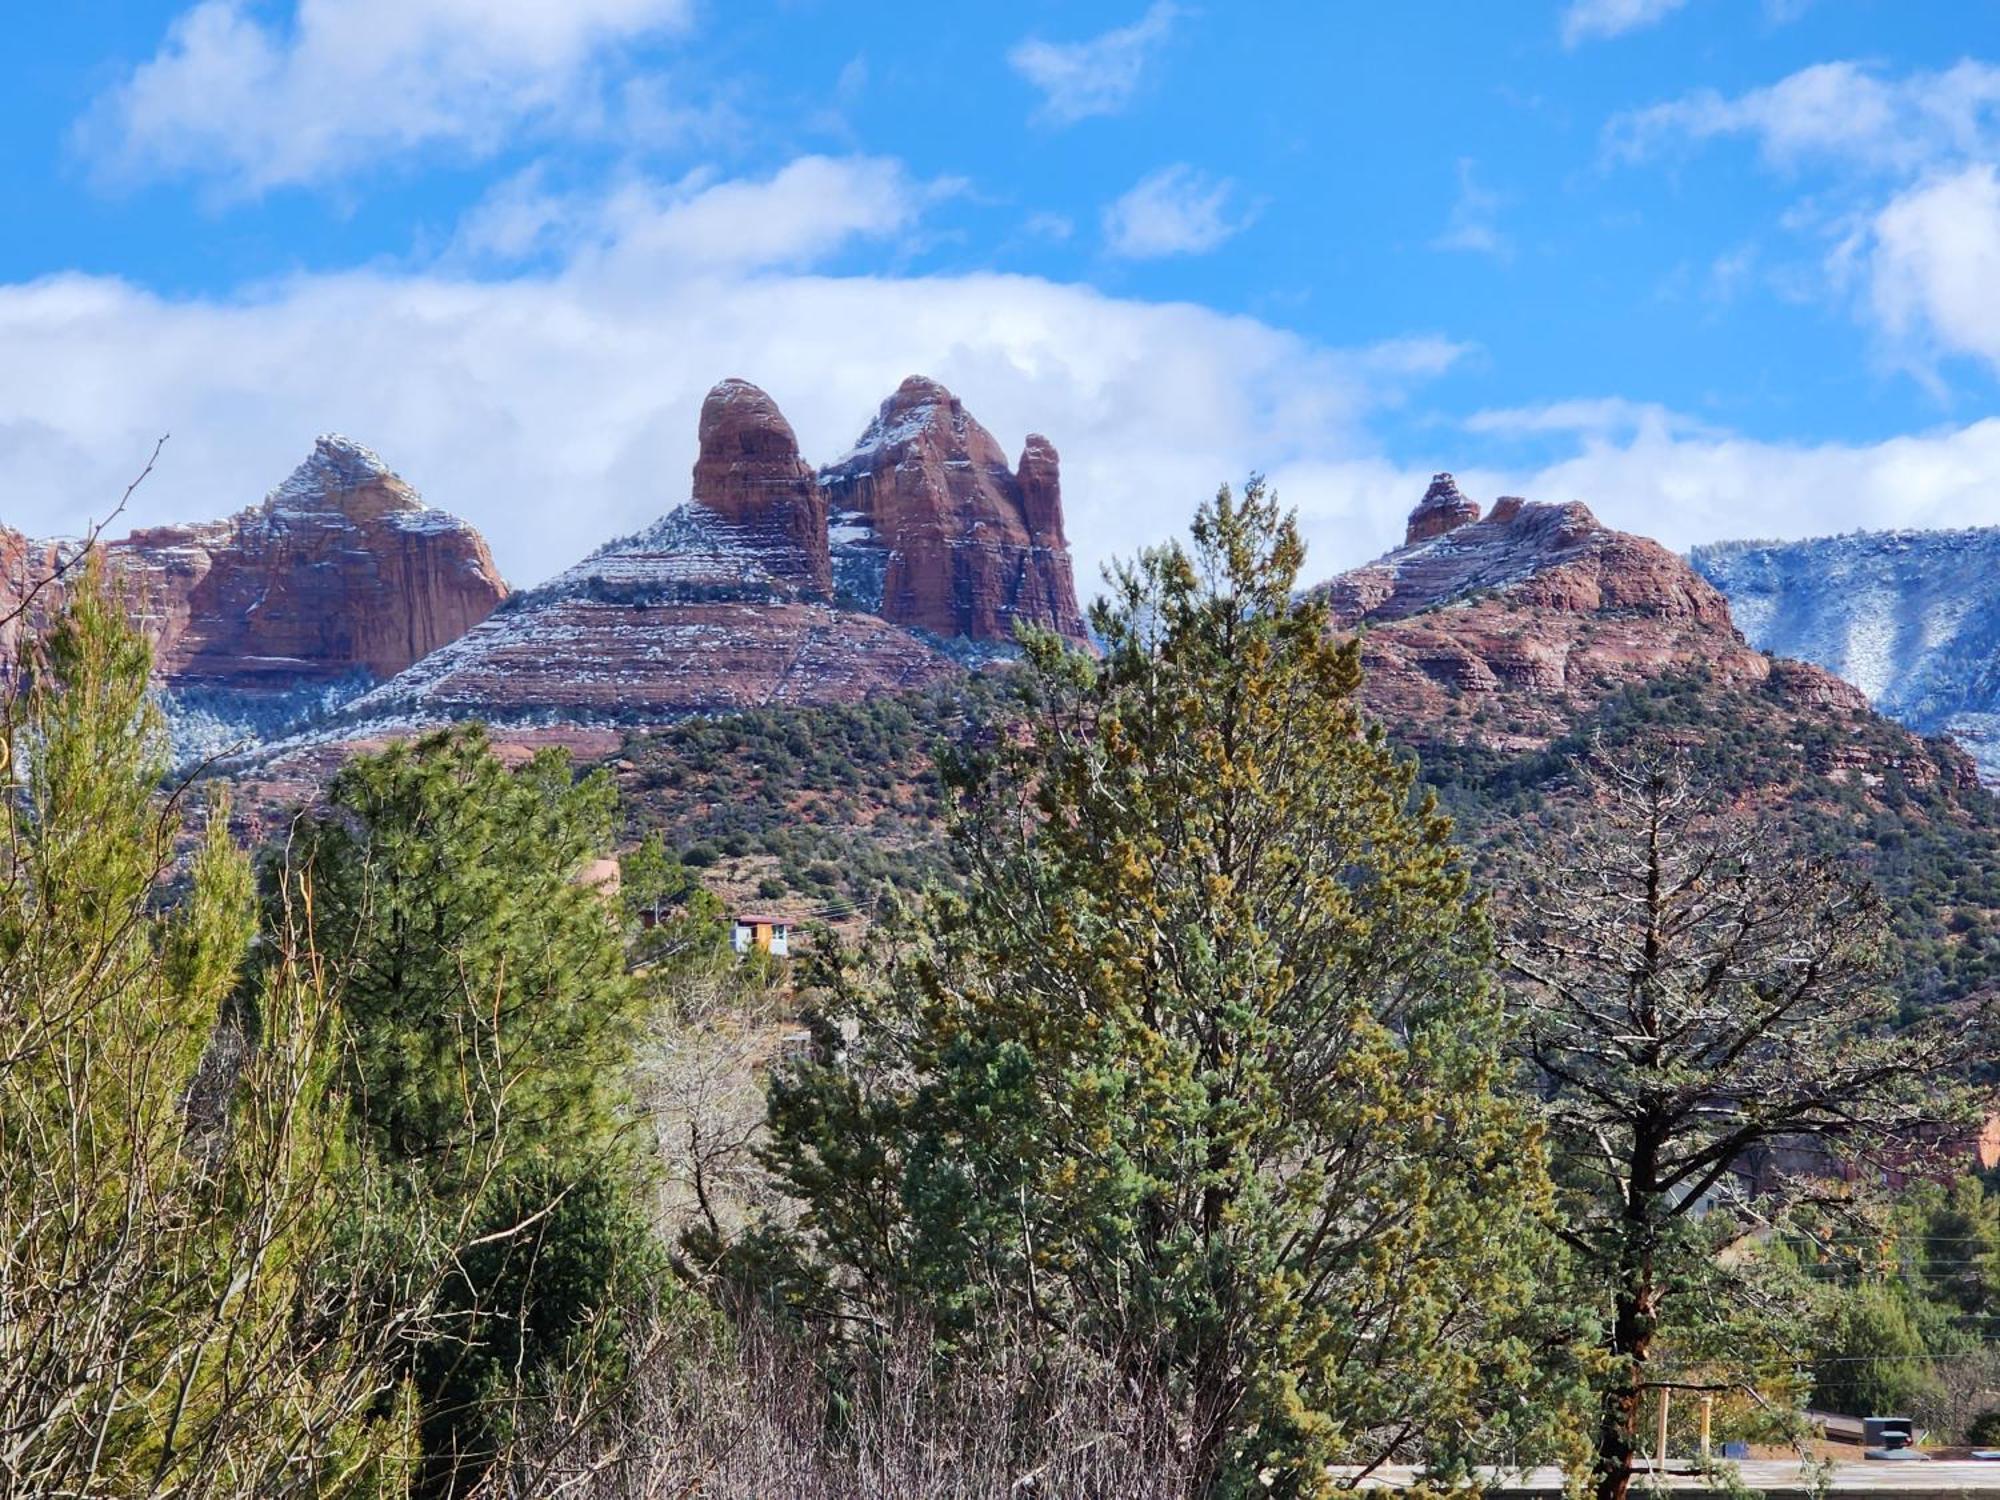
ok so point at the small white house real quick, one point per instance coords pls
(771, 934)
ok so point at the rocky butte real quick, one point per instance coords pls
(1504, 630)
(749, 473)
(934, 529)
(340, 579)
(724, 603)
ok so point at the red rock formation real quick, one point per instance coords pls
(1559, 557)
(1504, 631)
(1039, 474)
(712, 608)
(727, 601)
(25, 564)
(342, 571)
(1806, 686)
(935, 530)
(750, 474)
(1442, 509)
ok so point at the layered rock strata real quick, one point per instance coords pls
(1503, 632)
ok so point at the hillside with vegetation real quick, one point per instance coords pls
(1927, 837)
(811, 811)
(1182, 1072)
(827, 811)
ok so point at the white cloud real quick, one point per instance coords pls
(1839, 112)
(1661, 474)
(1601, 418)
(809, 209)
(1659, 480)
(1934, 264)
(1595, 20)
(1177, 210)
(556, 409)
(257, 103)
(1473, 223)
(1094, 77)
(1911, 231)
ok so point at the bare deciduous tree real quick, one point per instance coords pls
(1694, 995)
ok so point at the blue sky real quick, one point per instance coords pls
(1718, 267)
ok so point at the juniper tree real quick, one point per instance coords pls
(1692, 997)
(491, 1026)
(1200, 1071)
(175, 1311)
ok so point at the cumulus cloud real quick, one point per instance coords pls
(557, 408)
(1659, 473)
(1685, 487)
(1934, 262)
(1094, 77)
(255, 102)
(1178, 210)
(1644, 467)
(1596, 20)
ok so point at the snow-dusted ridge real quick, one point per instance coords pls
(336, 465)
(1912, 618)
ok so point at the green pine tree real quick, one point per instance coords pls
(483, 984)
(1201, 1073)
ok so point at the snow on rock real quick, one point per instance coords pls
(1911, 618)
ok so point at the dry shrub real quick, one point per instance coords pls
(750, 1412)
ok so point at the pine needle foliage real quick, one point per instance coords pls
(482, 977)
(1201, 1071)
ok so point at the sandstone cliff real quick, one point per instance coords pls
(1504, 632)
(341, 578)
(936, 530)
(342, 570)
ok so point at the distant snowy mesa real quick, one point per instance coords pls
(1912, 618)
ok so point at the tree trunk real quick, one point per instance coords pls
(1635, 1317)
(1618, 1409)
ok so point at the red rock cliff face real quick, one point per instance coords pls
(1504, 631)
(342, 570)
(934, 529)
(750, 474)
